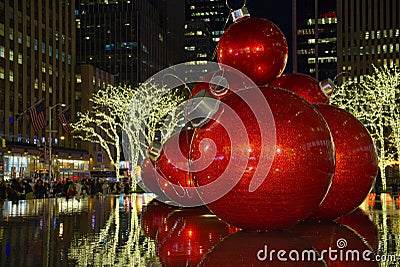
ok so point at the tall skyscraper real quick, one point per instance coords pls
(334, 37)
(129, 39)
(37, 70)
(213, 13)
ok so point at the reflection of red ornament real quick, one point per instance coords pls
(251, 248)
(187, 235)
(340, 240)
(172, 166)
(256, 47)
(153, 215)
(302, 85)
(362, 225)
(300, 174)
(356, 164)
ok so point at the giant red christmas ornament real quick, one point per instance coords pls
(254, 46)
(303, 85)
(251, 248)
(187, 235)
(300, 174)
(149, 181)
(172, 165)
(356, 164)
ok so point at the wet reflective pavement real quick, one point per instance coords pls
(137, 230)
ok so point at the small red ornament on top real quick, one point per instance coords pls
(255, 46)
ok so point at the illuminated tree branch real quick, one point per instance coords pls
(135, 113)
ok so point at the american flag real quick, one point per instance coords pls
(37, 116)
(65, 118)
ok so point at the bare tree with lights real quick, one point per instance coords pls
(137, 113)
(373, 101)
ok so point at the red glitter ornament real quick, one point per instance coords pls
(150, 180)
(187, 235)
(300, 174)
(303, 85)
(256, 47)
(172, 165)
(356, 164)
(251, 248)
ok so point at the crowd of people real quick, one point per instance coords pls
(20, 189)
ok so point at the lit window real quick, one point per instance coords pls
(43, 87)
(11, 76)
(35, 44)
(1, 51)
(11, 34)
(78, 78)
(28, 41)
(199, 33)
(19, 58)
(190, 48)
(50, 69)
(192, 7)
(11, 55)
(44, 67)
(43, 48)
(1, 73)
(20, 37)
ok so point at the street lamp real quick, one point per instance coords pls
(50, 131)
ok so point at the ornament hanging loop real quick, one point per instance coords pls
(238, 13)
(231, 9)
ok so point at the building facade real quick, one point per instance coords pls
(213, 13)
(37, 64)
(129, 39)
(198, 41)
(344, 37)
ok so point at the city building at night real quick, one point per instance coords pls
(198, 41)
(345, 36)
(131, 40)
(37, 78)
(213, 13)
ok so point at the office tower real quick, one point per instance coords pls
(344, 37)
(213, 13)
(198, 41)
(37, 65)
(129, 39)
